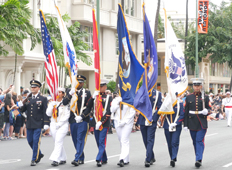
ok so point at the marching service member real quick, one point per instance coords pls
(123, 117)
(196, 111)
(79, 123)
(227, 103)
(101, 103)
(59, 127)
(36, 106)
(172, 131)
(148, 130)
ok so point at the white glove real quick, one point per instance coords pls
(78, 119)
(46, 127)
(205, 111)
(186, 129)
(24, 115)
(20, 103)
(52, 103)
(95, 94)
(173, 125)
(147, 123)
(57, 126)
(72, 91)
(121, 123)
(118, 99)
(98, 124)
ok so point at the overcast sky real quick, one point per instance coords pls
(173, 5)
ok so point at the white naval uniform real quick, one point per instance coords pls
(123, 132)
(58, 135)
(227, 102)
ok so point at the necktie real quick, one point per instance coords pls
(33, 97)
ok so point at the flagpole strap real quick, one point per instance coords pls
(177, 114)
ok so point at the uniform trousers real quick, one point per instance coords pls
(34, 140)
(148, 134)
(228, 115)
(123, 133)
(173, 141)
(100, 137)
(79, 132)
(198, 138)
(58, 135)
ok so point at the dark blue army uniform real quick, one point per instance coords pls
(173, 138)
(79, 130)
(101, 136)
(36, 119)
(196, 121)
(148, 132)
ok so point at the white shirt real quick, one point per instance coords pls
(227, 101)
(34, 95)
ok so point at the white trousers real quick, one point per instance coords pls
(58, 153)
(123, 137)
(228, 115)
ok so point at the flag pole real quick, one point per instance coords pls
(196, 40)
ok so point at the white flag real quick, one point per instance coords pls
(69, 57)
(177, 80)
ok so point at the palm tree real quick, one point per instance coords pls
(156, 23)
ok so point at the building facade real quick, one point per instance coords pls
(31, 64)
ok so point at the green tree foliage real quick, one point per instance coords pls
(15, 26)
(217, 42)
(111, 86)
(76, 35)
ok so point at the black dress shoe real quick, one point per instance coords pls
(104, 162)
(126, 163)
(62, 162)
(54, 163)
(147, 164)
(33, 163)
(81, 162)
(172, 163)
(39, 158)
(75, 163)
(198, 164)
(121, 163)
(99, 164)
(152, 161)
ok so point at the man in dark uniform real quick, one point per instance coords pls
(173, 130)
(148, 130)
(101, 104)
(197, 107)
(37, 119)
(79, 122)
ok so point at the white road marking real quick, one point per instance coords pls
(7, 161)
(211, 134)
(108, 157)
(226, 166)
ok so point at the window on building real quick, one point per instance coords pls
(159, 67)
(190, 71)
(117, 45)
(128, 6)
(212, 69)
(89, 38)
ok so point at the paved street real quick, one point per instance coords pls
(16, 154)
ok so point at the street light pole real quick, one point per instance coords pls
(196, 68)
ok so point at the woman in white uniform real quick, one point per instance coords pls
(123, 125)
(59, 127)
(227, 103)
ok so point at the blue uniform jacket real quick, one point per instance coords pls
(36, 112)
(179, 120)
(141, 119)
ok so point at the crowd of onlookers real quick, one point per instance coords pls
(12, 121)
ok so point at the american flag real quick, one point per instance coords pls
(50, 59)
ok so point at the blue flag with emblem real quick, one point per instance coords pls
(142, 102)
(129, 68)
